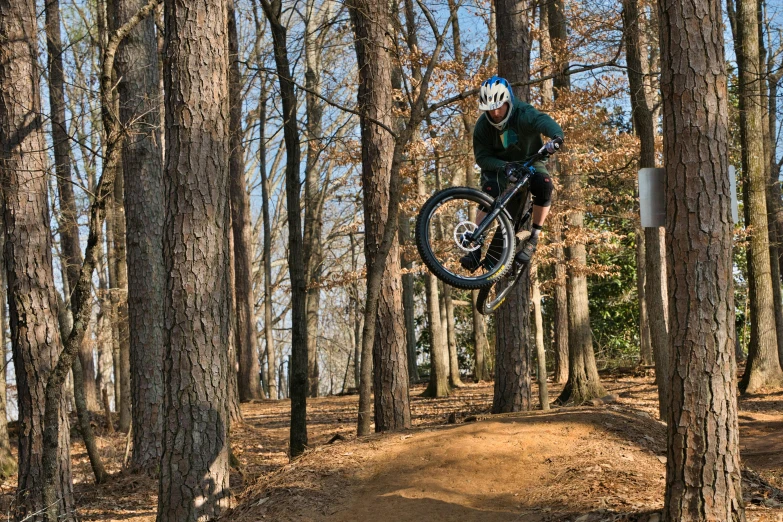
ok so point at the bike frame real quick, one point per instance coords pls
(503, 199)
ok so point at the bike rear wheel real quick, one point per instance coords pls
(491, 298)
(440, 227)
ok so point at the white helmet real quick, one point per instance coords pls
(493, 94)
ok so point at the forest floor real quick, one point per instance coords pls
(595, 463)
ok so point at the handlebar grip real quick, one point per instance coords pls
(558, 140)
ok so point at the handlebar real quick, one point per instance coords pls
(538, 156)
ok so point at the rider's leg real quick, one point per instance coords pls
(541, 187)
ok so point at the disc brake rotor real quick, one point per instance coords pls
(460, 231)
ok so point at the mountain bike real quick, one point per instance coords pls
(446, 230)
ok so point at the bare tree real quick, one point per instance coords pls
(246, 340)
(703, 479)
(298, 384)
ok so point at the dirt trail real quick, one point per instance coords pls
(571, 464)
(538, 467)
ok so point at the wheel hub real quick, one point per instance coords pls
(461, 232)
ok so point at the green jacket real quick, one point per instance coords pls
(520, 139)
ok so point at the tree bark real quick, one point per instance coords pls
(408, 302)
(560, 318)
(543, 392)
(83, 415)
(7, 460)
(69, 227)
(121, 296)
(271, 359)
(315, 188)
(139, 94)
(703, 479)
(298, 368)
(776, 208)
(769, 162)
(655, 251)
(512, 321)
(35, 337)
(512, 353)
(763, 366)
(455, 380)
(583, 382)
(195, 250)
(381, 157)
(246, 340)
(438, 385)
(645, 345)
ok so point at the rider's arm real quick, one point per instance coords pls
(482, 147)
(542, 123)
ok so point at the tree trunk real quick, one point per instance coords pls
(35, 337)
(408, 298)
(777, 205)
(645, 348)
(769, 162)
(480, 346)
(69, 227)
(543, 392)
(232, 373)
(83, 415)
(195, 250)
(455, 380)
(121, 296)
(763, 366)
(314, 191)
(655, 251)
(356, 318)
(381, 190)
(439, 374)
(271, 359)
(703, 479)
(560, 303)
(7, 460)
(583, 382)
(560, 319)
(139, 94)
(438, 385)
(512, 352)
(512, 321)
(249, 379)
(298, 276)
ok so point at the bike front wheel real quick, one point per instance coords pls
(441, 228)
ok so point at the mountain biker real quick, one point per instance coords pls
(509, 130)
